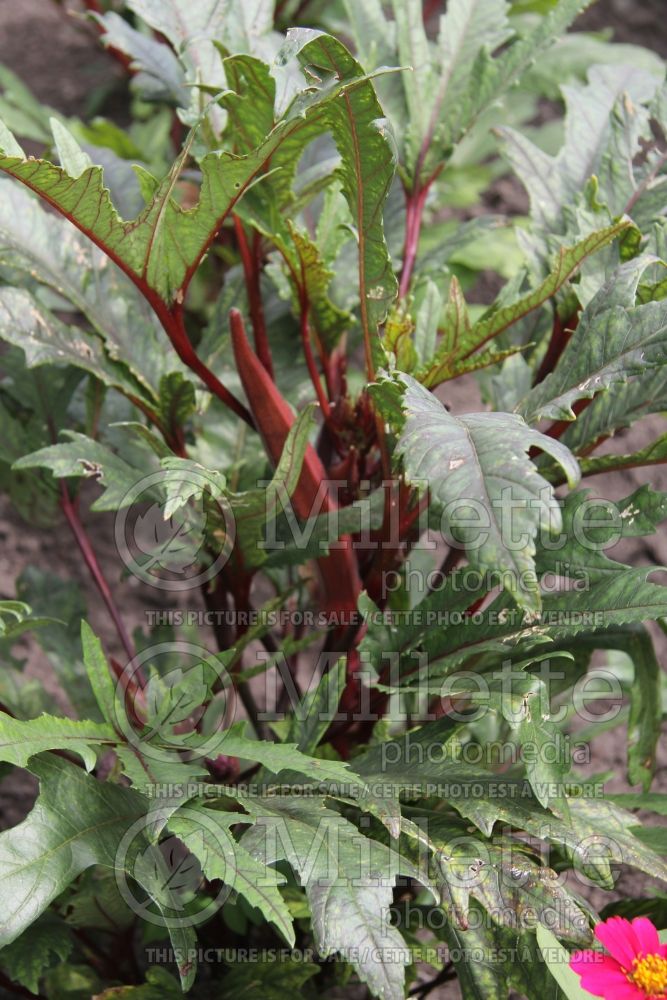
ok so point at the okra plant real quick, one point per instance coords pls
(350, 752)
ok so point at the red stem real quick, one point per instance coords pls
(250, 261)
(301, 9)
(86, 549)
(430, 8)
(558, 428)
(171, 318)
(304, 308)
(174, 325)
(415, 201)
(274, 418)
(308, 353)
(562, 331)
(451, 561)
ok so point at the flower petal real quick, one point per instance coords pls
(619, 938)
(582, 961)
(602, 976)
(647, 935)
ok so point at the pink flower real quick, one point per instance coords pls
(634, 969)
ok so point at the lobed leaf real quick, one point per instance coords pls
(614, 340)
(19, 741)
(458, 459)
(205, 832)
(462, 339)
(71, 827)
(348, 880)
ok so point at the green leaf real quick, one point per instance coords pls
(268, 980)
(16, 617)
(254, 509)
(653, 801)
(205, 832)
(405, 767)
(461, 339)
(428, 311)
(162, 247)
(177, 400)
(554, 182)
(480, 980)
(69, 841)
(71, 156)
(81, 456)
(368, 162)
(122, 343)
(281, 756)
(591, 525)
(143, 764)
(297, 541)
(312, 274)
(418, 82)
(470, 79)
(158, 75)
(627, 598)
(312, 716)
(597, 834)
(475, 954)
(186, 480)
(19, 741)
(655, 908)
(73, 981)
(565, 265)
(340, 869)
(60, 641)
(99, 674)
(645, 722)
(444, 85)
(28, 957)
(96, 902)
(459, 460)
(46, 340)
(557, 961)
(159, 985)
(515, 890)
(524, 704)
(249, 101)
(653, 454)
(238, 24)
(157, 249)
(618, 407)
(191, 31)
(20, 109)
(168, 704)
(613, 341)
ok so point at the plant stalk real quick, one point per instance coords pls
(71, 514)
(250, 262)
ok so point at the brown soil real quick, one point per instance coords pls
(51, 50)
